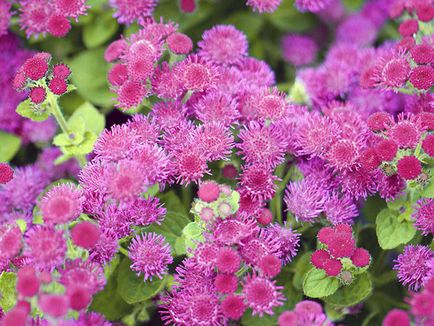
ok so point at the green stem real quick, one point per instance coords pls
(123, 251)
(57, 113)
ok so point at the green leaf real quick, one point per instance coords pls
(108, 302)
(288, 18)
(8, 296)
(352, 294)
(100, 30)
(94, 121)
(35, 113)
(133, 288)
(85, 147)
(246, 22)
(89, 75)
(428, 192)
(317, 284)
(301, 266)
(391, 232)
(10, 144)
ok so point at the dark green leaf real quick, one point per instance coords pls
(100, 30)
(352, 294)
(133, 288)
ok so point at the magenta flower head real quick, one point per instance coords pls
(396, 317)
(150, 254)
(85, 234)
(6, 173)
(128, 12)
(392, 70)
(10, 241)
(258, 182)
(262, 295)
(223, 45)
(264, 6)
(45, 247)
(423, 216)
(289, 241)
(5, 16)
(62, 204)
(412, 266)
(299, 50)
(196, 74)
(179, 43)
(312, 5)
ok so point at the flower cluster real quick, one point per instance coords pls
(306, 312)
(230, 269)
(338, 254)
(38, 17)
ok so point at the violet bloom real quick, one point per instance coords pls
(5, 16)
(412, 266)
(128, 12)
(299, 50)
(150, 254)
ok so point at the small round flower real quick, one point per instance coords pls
(58, 25)
(207, 214)
(406, 132)
(378, 121)
(54, 305)
(35, 68)
(392, 71)
(425, 12)
(386, 149)
(128, 12)
(46, 247)
(299, 50)
(87, 274)
(85, 234)
(130, 94)
(262, 6)
(369, 159)
(115, 50)
(261, 295)
(71, 8)
(216, 106)
(179, 43)
(265, 216)
(312, 5)
(215, 140)
(61, 71)
(423, 216)
(233, 307)
(428, 145)
(409, 167)
(226, 283)
(341, 245)
(38, 94)
(319, 258)
(422, 77)
(361, 257)
(332, 267)
(78, 297)
(165, 83)
(412, 266)
(118, 74)
(62, 204)
(150, 254)
(140, 68)
(58, 86)
(287, 239)
(208, 191)
(105, 249)
(270, 265)
(228, 260)
(422, 54)
(27, 282)
(223, 45)
(408, 27)
(287, 318)
(191, 165)
(396, 317)
(10, 241)
(258, 181)
(195, 73)
(271, 104)
(427, 119)
(6, 173)
(125, 181)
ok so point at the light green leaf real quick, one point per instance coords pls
(8, 296)
(301, 266)
(352, 294)
(246, 22)
(90, 76)
(85, 147)
(35, 113)
(94, 121)
(100, 30)
(391, 232)
(133, 288)
(10, 144)
(428, 192)
(317, 284)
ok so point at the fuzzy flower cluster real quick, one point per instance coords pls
(10, 121)
(128, 12)
(423, 216)
(306, 312)
(38, 17)
(338, 255)
(415, 266)
(41, 80)
(230, 270)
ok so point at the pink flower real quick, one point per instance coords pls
(6, 173)
(227, 260)
(196, 74)
(54, 305)
(233, 307)
(409, 167)
(27, 282)
(179, 43)
(128, 12)
(150, 254)
(299, 50)
(85, 234)
(263, 6)
(258, 181)
(396, 317)
(10, 241)
(223, 45)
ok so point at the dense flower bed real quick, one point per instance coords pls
(208, 162)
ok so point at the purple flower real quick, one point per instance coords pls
(128, 12)
(312, 5)
(412, 266)
(340, 209)
(150, 254)
(289, 241)
(299, 50)
(424, 216)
